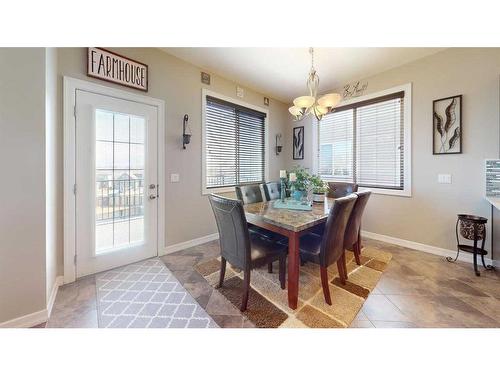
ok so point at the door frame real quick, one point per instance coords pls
(70, 86)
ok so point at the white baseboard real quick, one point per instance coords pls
(26, 321)
(50, 303)
(187, 244)
(423, 247)
(38, 317)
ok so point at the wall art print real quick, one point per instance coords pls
(447, 125)
(298, 143)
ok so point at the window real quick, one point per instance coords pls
(234, 144)
(367, 142)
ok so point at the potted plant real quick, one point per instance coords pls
(319, 188)
(300, 182)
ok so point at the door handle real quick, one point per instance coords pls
(152, 196)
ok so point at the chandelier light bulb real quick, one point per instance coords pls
(304, 101)
(296, 112)
(329, 101)
(321, 109)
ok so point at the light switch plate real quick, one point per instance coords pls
(444, 178)
(174, 177)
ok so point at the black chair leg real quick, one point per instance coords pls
(222, 271)
(282, 265)
(324, 283)
(270, 267)
(246, 290)
(487, 266)
(475, 259)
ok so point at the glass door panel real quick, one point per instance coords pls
(119, 177)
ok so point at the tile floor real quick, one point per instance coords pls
(416, 290)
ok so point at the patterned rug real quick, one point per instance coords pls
(146, 295)
(268, 303)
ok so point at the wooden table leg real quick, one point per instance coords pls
(293, 269)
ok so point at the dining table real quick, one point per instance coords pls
(293, 224)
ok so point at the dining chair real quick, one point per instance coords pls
(329, 248)
(272, 190)
(249, 194)
(341, 189)
(336, 190)
(352, 236)
(241, 248)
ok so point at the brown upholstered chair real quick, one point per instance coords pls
(329, 248)
(239, 247)
(352, 237)
(341, 189)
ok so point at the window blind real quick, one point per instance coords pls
(235, 144)
(364, 143)
(336, 147)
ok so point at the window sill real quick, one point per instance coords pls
(205, 191)
(397, 193)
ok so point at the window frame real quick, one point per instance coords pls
(407, 130)
(204, 94)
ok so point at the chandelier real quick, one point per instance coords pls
(304, 105)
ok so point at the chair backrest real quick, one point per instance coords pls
(272, 190)
(332, 245)
(249, 193)
(233, 230)
(354, 223)
(341, 189)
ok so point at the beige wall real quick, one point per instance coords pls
(188, 214)
(22, 191)
(429, 216)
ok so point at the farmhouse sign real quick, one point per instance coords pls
(110, 66)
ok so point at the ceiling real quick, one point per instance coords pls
(281, 73)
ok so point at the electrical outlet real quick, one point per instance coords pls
(444, 178)
(174, 177)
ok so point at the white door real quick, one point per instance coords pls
(116, 182)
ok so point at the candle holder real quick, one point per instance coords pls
(283, 189)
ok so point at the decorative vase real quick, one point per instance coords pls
(318, 197)
(298, 194)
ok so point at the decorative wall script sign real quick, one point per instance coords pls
(352, 90)
(110, 66)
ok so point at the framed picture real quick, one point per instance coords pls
(298, 143)
(447, 125)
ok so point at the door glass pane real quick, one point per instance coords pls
(119, 176)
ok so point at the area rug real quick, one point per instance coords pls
(268, 303)
(146, 295)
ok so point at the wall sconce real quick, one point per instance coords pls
(186, 137)
(279, 146)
